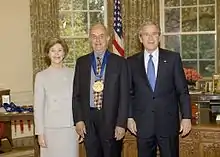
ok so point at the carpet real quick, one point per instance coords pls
(19, 153)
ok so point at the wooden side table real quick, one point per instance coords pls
(7, 118)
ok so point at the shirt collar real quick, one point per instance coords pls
(155, 53)
(99, 55)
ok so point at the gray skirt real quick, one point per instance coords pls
(60, 142)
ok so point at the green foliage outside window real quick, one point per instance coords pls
(189, 28)
(75, 19)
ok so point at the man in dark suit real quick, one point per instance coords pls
(158, 91)
(100, 97)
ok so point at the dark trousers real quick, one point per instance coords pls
(168, 146)
(96, 144)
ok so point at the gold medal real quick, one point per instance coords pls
(98, 86)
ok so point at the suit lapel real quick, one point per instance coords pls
(143, 70)
(161, 65)
(108, 67)
(87, 73)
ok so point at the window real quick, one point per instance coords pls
(75, 19)
(189, 27)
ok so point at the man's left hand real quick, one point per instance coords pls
(119, 133)
(185, 127)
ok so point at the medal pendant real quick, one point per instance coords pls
(98, 86)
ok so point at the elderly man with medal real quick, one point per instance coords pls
(100, 97)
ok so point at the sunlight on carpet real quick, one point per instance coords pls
(19, 153)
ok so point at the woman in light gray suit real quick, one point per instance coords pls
(53, 105)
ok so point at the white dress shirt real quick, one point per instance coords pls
(155, 59)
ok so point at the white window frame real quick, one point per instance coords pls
(163, 33)
(88, 22)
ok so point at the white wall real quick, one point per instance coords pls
(15, 50)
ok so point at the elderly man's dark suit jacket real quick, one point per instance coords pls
(116, 93)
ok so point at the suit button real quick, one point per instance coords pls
(153, 97)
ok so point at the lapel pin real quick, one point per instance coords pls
(165, 61)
